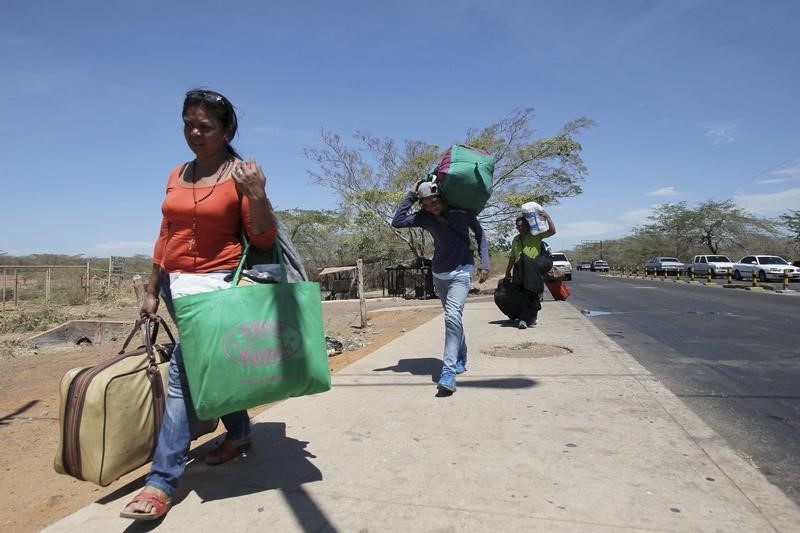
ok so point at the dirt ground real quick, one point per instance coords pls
(34, 495)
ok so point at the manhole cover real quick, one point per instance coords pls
(530, 350)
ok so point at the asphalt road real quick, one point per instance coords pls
(733, 356)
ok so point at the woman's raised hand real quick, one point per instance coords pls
(250, 179)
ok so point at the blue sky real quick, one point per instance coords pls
(694, 100)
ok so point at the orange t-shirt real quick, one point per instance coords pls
(218, 217)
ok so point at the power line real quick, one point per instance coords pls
(756, 176)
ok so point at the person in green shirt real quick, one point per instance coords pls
(530, 245)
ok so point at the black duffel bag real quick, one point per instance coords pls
(508, 298)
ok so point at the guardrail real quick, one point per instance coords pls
(689, 276)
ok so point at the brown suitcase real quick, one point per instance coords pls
(111, 413)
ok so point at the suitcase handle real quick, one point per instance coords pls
(149, 331)
(150, 341)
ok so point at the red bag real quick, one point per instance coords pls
(557, 289)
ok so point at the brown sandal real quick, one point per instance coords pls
(228, 450)
(158, 500)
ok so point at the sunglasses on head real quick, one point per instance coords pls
(208, 96)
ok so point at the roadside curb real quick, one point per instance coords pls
(768, 289)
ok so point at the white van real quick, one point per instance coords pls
(560, 260)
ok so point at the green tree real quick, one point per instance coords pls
(645, 243)
(791, 221)
(316, 234)
(721, 224)
(370, 238)
(372, 177)
(712, 225)
(672, 229)
(543, 170)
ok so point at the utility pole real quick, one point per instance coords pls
(594, 245)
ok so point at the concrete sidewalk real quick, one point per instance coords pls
(567, 434)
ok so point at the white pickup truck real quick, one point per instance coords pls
(657, 265)
(718, 265)
(560, 260)
(766, 267)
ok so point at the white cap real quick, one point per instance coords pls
(427, 188)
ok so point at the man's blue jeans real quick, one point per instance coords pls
(453, 294)
(180, 420)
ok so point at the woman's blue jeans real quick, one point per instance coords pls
(180, 420)
(453, 294)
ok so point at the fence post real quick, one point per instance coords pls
(730, 275)
(88, 282)
(16, 287)
(753, 277)
(4, 288)
(108, 284)
(785, 280)
(138, 289)
(708, 275)
(362, 301)
(47, 287)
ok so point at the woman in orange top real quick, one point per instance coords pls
(208, 202)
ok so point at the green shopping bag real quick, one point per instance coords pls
(250, 345)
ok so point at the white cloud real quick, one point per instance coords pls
(793, 172)
(784, 174)
(663, 191)
(637, 216)
(720, 133)
(772, 181)
(586, 229)
(769, 204)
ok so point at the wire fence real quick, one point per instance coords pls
(63, 285)
(36, 285)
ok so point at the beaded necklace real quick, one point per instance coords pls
(220, 172)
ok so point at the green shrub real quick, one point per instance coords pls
(38, 319)
(11, 348)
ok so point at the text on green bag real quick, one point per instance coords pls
(262, 342)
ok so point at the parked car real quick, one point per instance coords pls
(560, 260)
(598, 265)
(585, 265)
(715, 264)
(766, 267)
(661, 264)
